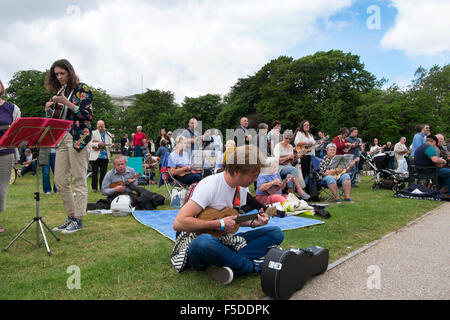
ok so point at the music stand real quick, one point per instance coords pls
(35, 133)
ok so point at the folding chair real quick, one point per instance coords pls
(137, 164)
(169, 182)
(324, 193)
(164, 177)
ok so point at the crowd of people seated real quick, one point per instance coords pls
(289, 155)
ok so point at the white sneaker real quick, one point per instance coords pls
(223, 275)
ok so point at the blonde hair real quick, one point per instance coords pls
(2, 89)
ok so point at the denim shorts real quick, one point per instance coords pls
(330, 179)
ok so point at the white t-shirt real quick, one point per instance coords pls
(281, 151)
(213, 191)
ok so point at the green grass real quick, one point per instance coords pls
(119, 258)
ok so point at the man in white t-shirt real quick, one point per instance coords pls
(230, 254)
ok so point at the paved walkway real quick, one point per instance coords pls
(412, 263)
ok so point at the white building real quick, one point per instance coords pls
(123, 102)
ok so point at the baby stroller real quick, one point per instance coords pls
(384, 178)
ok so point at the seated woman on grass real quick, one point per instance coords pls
(335, 177)
(270, 185)
(284, 152)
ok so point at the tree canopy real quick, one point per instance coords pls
(331, 89)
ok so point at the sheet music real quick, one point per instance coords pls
(341, 161)
(203, 159)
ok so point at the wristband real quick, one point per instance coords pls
(222, 225)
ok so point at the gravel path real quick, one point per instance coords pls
(409, 264)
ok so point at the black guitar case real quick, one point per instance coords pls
(286, 271)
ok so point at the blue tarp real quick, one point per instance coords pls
(162, 221)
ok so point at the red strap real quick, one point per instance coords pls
(237, 198)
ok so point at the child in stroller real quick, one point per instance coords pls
(384, 178)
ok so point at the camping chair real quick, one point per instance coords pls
(170, 184)
(164, 177)
(426, 176)
(148, 171)
(137, 164)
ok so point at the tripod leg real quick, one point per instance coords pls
(50, 230)
(18, 235)
(45, 239)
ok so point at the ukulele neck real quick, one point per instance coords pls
(246, 217)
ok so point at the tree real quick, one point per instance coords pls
(153, 110)
(204, 108)
(430, 92)
(26, 89)
(324, 88)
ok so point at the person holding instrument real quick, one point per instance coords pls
(122, 180)
(179, 163)
(8, 114)
(74, 98)
(231, 254)
(99, 156)
(335, 177)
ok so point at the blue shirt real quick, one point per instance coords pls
(264, 178)
(103, 154)
(176, 160)
(418, 140)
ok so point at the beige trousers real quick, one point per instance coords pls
(71, 164)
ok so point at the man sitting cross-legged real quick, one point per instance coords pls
(123, 180)
(229, 254)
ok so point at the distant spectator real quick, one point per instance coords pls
(138, 142)
(421, 131)
(29, 164)
(274, 136)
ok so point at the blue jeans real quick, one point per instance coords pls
(284, 171)
(330, 179)
(189, 178)
(207, 249)
(46, 185)
(31, 167)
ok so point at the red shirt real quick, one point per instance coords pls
(137, 139)
(340, 145)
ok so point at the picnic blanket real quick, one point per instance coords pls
(162, 221)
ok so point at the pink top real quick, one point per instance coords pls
(137, 139)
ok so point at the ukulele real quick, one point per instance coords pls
(58, 109)
(104, 147)
(337, 176)
(122, 183)
(302, 150)
(213, 214)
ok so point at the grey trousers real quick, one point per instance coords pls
(6, 164)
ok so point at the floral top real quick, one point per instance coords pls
(81, 130)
